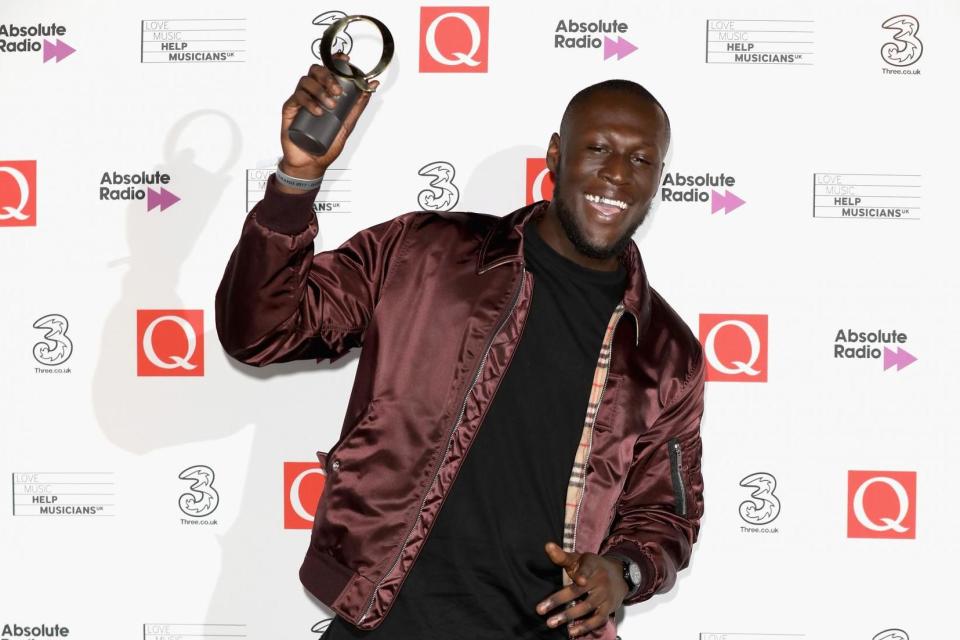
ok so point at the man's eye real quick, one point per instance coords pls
(595, 147)
(640, 160)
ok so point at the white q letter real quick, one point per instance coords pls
(178, 362)
(17, 211)
(537, 188)
(741, 367)
(295, 493)
(888, 524)
(459, 57)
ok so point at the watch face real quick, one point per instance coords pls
(635, 573)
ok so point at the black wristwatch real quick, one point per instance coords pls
(631, 573)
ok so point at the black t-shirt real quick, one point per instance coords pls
(483, 569)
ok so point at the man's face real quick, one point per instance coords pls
(607, 163)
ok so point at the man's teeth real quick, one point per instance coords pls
(620, 204)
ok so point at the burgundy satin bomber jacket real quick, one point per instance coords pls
(438, 301)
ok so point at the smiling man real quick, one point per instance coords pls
(520, 455)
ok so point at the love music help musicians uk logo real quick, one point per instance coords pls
(169, 342)
(454, 39)
(735, 347)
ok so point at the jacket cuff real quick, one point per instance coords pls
(648, 570)
(285, 212)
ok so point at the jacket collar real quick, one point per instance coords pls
(504, 244)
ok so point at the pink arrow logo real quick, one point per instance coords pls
(621, 47)
(901, 358)
(58, 51)
(728, 201)
(162, 198)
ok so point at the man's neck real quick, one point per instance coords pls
(550, 229)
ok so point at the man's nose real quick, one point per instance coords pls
(615, 169)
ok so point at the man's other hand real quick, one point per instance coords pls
(601, 579)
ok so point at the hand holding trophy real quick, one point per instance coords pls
(316, 133)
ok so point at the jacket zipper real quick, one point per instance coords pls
(463, 408)
(586, 460)
(676, 470)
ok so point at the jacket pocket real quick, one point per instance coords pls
(676, 474)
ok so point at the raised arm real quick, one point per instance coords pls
(277, 301)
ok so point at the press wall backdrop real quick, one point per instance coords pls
(806, 229)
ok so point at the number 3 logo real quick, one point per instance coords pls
(442, 194)
(56, 347)
(202, 499)
(763, 507)
(906, 48)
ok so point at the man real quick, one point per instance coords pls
(531, 342)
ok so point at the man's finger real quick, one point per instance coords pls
(582, 577)
(560, 557)
(561, 597)
(579, 610)
(594, 622)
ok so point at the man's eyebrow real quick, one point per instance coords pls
(592, 135)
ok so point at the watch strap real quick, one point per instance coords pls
(632, 587)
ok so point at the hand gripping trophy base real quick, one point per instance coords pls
(315, 134)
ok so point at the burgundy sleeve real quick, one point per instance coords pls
(658, 515)
(277, 301)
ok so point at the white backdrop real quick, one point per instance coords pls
(104, 537)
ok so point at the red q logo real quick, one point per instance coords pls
(735, 347)
(881, 504)
(539, 180)
(18, 187)
(302, 486)
(454, 39)
(169, 342)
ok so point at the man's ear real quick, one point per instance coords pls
(553, 153)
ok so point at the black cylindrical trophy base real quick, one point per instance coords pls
(315, 134)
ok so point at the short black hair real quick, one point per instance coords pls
(625, 87)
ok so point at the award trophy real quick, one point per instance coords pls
(314, 134)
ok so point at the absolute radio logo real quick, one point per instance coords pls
(594, 34)
(441, 193)
(454, 39)
(735, 347)
(28, 631)
(35, 38)
(129, 186)
(18, 193)
(882, 504)
(169, 342)
(706, 187)
(539, 181)
(302, 487)
(873, 345)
